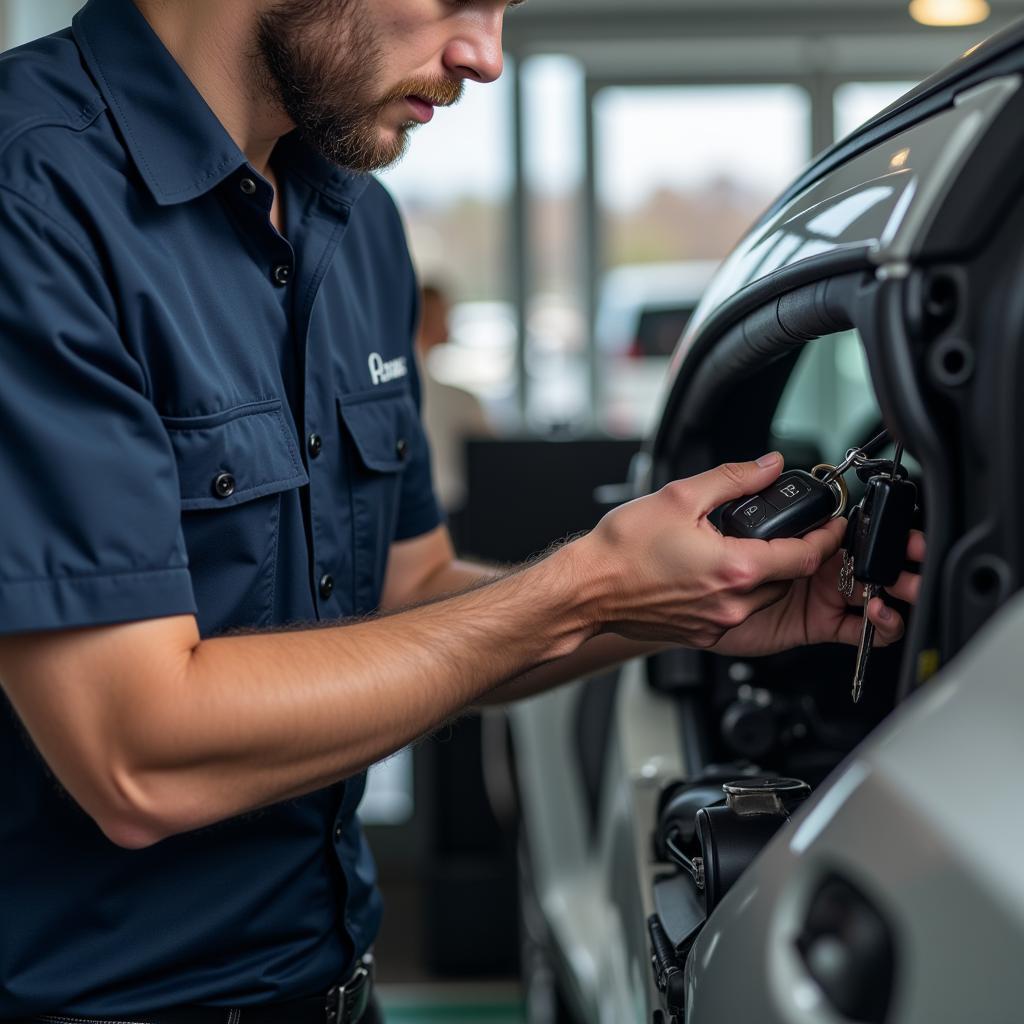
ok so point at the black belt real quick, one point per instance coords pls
(344, 1004)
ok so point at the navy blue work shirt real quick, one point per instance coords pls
(199, 416)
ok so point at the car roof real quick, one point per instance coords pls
(999, 54)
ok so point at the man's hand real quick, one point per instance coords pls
(679, 579)
(814, 611)
(664, 573)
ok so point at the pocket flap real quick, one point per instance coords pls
(381, 426)
(234, 456)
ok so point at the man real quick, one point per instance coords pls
(211, 456)
(451, 415)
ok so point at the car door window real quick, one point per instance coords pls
(829, 405)
(828, 401)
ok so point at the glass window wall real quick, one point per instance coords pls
(682, 172)
(454, 188)
(554, 96)
(857, 102)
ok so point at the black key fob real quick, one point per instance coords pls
(880, 533)
(792, 506)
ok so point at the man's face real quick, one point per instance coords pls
(355, 76)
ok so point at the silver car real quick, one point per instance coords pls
(722, 840)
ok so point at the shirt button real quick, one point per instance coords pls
(224, 485)
(402, 448)
(337, 833)
(316, 443)
(282, 274)
(326, 585)
(248, 186)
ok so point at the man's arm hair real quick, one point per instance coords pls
(426, 569)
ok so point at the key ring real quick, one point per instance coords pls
(836, 472)
(854, 457)
(834, 479)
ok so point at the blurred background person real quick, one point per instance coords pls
(451, 415)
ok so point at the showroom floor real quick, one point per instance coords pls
(409, 995)
(455, 1003)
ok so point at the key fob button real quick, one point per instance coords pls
(794, 504)
(784, 492)
(753, 512)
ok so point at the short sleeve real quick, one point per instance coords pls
(419, 511)
(91, 525)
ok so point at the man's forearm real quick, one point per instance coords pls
(596, 655)
(251, 720)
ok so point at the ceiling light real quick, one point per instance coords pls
(899, 159)
(949, 12)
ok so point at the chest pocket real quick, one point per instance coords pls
(381, 427)
(235, 469)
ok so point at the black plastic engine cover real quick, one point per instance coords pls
(729, 843)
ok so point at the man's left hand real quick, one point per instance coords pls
(815, 612)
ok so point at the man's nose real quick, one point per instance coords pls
(476, 52)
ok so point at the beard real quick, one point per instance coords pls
(320, 62)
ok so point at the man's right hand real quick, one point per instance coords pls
(662, 572)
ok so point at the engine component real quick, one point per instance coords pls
(681, 801)
(711, 829)
(668, 972)
(731, 836)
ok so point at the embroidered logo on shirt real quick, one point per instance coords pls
(382, 371)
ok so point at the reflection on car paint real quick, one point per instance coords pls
(878, 202)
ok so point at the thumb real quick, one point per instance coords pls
(733, 480)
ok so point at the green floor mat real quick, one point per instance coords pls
(448, 1005)
(463, 1014)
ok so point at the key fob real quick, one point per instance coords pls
(879, 542)
(792, 506)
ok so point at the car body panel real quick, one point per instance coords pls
(594, 906)
(943, 849)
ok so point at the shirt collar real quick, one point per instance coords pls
(179, 146)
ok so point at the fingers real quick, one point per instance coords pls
(707, 491)
(790, 559)
(888, 624)
(906, 588)
(916, 546)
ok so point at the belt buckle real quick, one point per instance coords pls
(337, 1012)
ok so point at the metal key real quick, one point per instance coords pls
(875, 548)
(867, 641)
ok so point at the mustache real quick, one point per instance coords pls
(440, 92)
